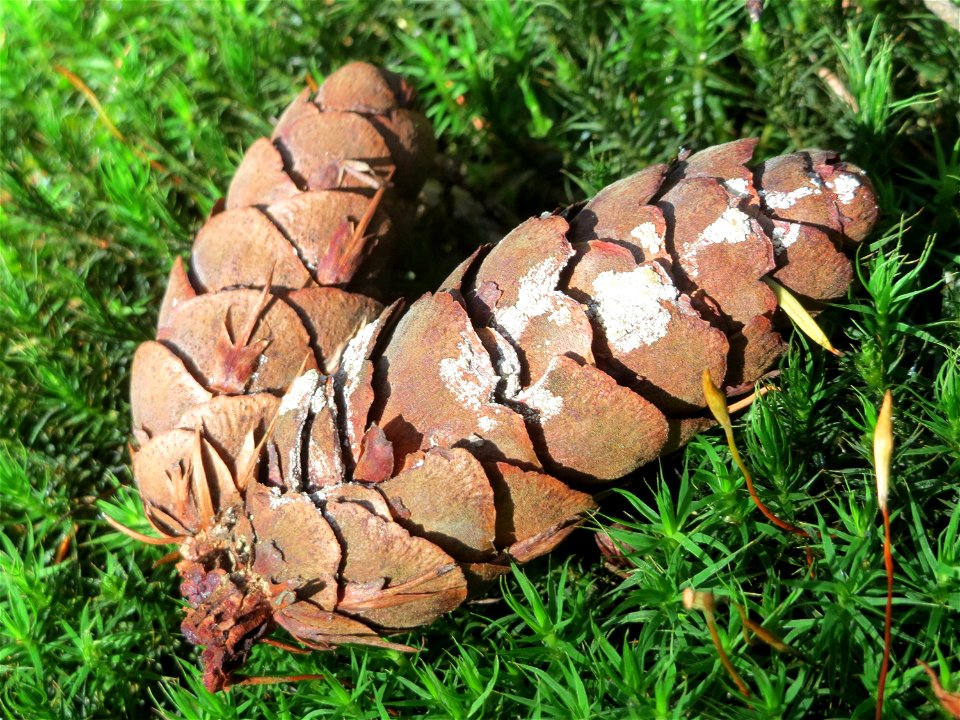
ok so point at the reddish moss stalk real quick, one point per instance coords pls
(704, 601)
(888, 614)
(718, 406)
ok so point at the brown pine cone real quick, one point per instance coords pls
(341, 470)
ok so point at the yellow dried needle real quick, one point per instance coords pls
(801, 318)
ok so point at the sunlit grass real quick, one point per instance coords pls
(538, 105)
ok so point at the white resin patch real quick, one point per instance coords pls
(320, 400)
(486, 423)
(507, 363)
(732, 227)
(738, 186)
(319, 497)
(294, 478)
(560, 315)
(629, 306)
(539, 398)
(464, 377)
(650, 241)
(472, 441)
(536, 295)
(351, 367)
(777, 200)
(277, 500)
(355, 354)
(299, 389)
(845, 186)
(782, 239)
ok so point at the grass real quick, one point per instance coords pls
(539, 104)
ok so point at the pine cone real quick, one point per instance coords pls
(343, 470)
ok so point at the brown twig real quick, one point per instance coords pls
(750, 399)
(285, 646)
(171, 557)
(836, 86)
(148, 539)
(262, 680)
(94, 101)
(948, 701)
(91, 97)
(64, 547)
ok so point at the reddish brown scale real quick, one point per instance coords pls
(342, 470)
